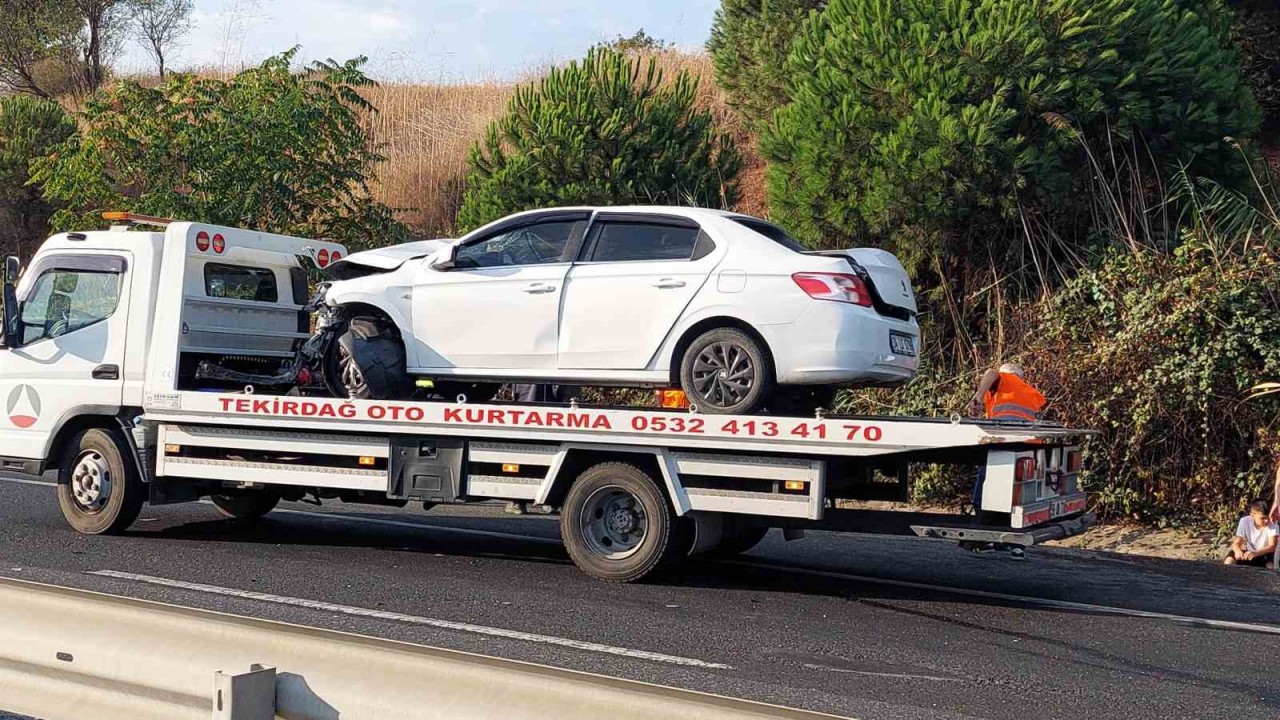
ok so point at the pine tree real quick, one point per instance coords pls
(750, 42)
(606, 130)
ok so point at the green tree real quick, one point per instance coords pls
(35, 33)
(269, 149)
(605, 130)
(750, 42)
(932, 125)
(638, 43)
(29, 127)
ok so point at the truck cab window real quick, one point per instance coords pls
(237, 282)
(62, 301)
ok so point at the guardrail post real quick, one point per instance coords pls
(245, 696)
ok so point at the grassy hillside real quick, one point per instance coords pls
(426, 131)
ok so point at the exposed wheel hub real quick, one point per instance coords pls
(91, 481)
(614, 523)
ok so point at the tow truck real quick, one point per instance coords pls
(105, 331)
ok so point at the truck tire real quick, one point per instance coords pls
(617, 525)
(99, 490)
(724, 371)
(246, 504)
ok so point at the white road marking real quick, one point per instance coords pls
(902, 676)
(1024, 599)
(416, 620)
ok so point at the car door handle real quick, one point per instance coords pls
(539, 288)
(667, 283)
(106, 372)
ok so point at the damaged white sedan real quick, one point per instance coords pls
(726, 307)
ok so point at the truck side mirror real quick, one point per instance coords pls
(11, 267)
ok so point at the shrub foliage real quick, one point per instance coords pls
(932, 123)
(269, 149)
(29, 127)
(606, 130)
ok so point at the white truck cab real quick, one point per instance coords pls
(109, 335)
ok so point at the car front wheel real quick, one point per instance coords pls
(725, 372)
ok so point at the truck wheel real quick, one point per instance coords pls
(377, 370)
(617, 525)
(99, 491)
(246, 504)
(738, 539)
(725, 372)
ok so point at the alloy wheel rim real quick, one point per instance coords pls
(91, 481)
(723, 374)
(352, 378)
(614, 523)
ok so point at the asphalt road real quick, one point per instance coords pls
(880, 628)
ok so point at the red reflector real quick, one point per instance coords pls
(840, 287)
(322, 257)
(1024, 469)
(219, 243)
(202, 241)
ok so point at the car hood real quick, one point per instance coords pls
(390, 258)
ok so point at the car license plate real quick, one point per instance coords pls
(902, 344)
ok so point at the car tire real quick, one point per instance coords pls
(617, 525)
(705, 372)
(246, 505)
(380, 374)
(99, 490)
(801, 400)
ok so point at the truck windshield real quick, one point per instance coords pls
(64, 300)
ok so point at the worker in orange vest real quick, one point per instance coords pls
(1004, 395)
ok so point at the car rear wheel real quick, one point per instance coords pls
(725, 371)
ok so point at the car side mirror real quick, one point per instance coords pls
(11, 268)
(449, 261)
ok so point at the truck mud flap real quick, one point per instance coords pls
(1055, 530)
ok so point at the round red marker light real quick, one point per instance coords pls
(202, 241)
(322, 257)
(219, 243)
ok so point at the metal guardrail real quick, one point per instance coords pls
(69, 654)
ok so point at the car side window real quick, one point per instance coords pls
(62, 301)
(628, 241)
(535, 244)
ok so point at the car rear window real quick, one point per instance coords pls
(238, 282)
(626, 241)
(771, 231)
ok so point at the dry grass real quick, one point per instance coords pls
(426, 131)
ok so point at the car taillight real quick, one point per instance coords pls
(219, 243)
(322, 257)
(840, 287)
(202, 241)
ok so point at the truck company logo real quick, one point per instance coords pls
(23, 406)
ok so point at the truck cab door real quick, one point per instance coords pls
(69, 347)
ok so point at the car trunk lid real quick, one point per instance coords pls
(888, 281)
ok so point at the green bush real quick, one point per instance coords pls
(29, 127)
(1257, 33)
(1158, 352)
(934, 125)
(605, 130)
(750, 41)
(269, 149)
